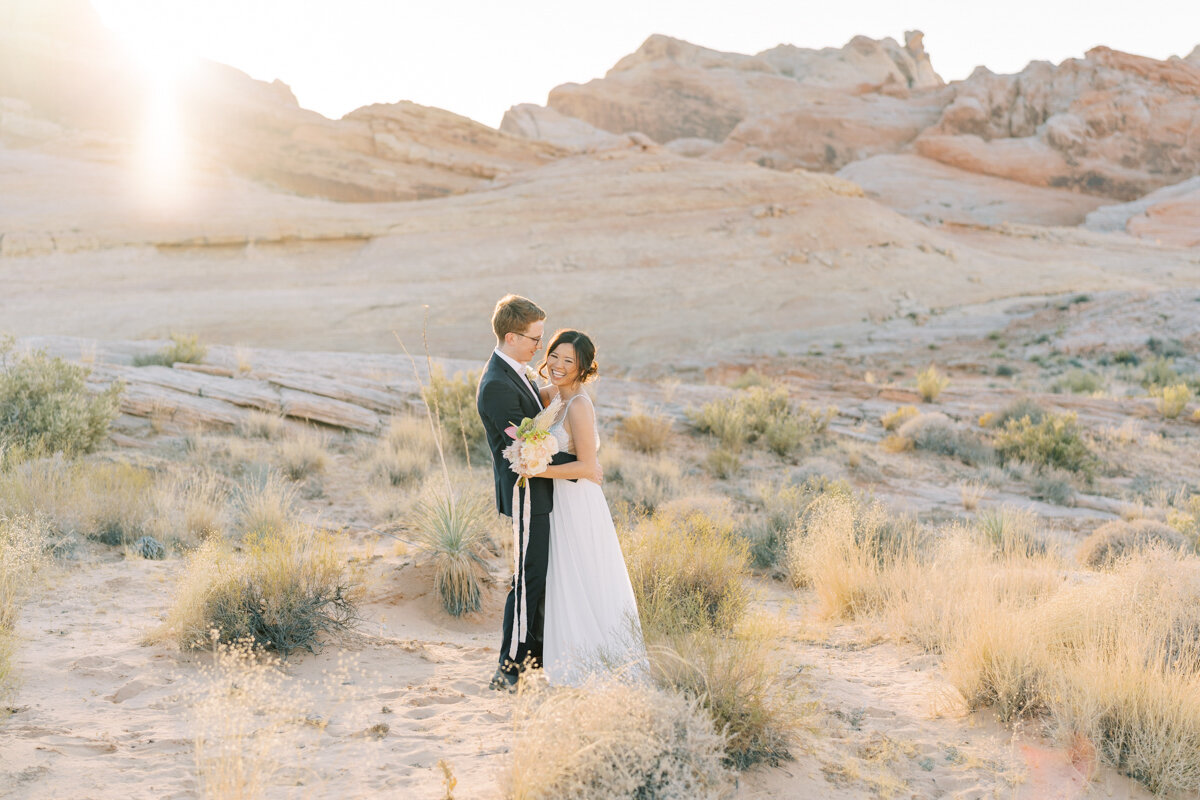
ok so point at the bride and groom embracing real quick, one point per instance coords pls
(570, 607)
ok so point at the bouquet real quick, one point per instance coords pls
(532, 446)
(530, 453)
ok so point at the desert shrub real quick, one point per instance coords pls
(109, 502)
(723, 463)
(1079, 381)
(688, 571)
(931, 383)
(1011, 530)
(184, 348)
(1021, 407)
(1159, 372)
(1172, 400)
(749, 379)
(45, 405)
(1056, 441)
(843, 547)
(285, 590)
(453, 530)
(894, 419)
(23, 555)
(761, 413)
(644, 431)
(783, 507)
(262, 425)
(264, 503)
(453, 402)
(614, 740)
(191, 508)
(403, 456)
(1118, 539)
(1185, 517)
(1053, 486)
(938, 434)
(636, 483)
(740, 681)
(970, 493)
(302, 455)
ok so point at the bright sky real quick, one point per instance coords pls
(478, 57)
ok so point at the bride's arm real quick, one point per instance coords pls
(581, 422)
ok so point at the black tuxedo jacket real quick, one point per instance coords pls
(503, 399)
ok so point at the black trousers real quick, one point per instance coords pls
(537, 556)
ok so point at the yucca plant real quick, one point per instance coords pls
(453, 530)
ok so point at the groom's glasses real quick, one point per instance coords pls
(537, 340)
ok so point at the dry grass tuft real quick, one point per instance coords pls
(639, 483)
(285, 590)
(1011, 530)
(404, 455)
(262, 425)
(245, 718)
(303, 454)
(746, 689)
(931, 383)
(783, 508)
(453, 530)
(23, 545)
(1116, 540)
(688, 571)
(894, 419)
(185, 348)
(1172, 400)
(264, 504)
(644, 431)
(191, 509)
(452, 400)
(970, 493)
(614, 740)
(110, 502)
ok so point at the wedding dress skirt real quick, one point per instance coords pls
(591, 622)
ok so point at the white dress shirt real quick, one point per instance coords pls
(520, 370)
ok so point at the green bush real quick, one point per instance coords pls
(762, 414)
(453, 400)
(185, 349)
(1078, 381)
(45, 406)
(938, 434)
(1056, 441)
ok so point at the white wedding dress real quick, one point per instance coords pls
(591, 622)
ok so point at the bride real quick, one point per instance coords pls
(591, 619)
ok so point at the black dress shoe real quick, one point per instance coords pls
(504, 681)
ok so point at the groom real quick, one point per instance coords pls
(507, 394)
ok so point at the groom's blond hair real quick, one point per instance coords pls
(513, 314)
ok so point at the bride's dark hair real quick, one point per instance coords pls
(585, 353)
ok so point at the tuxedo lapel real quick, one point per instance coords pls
(518, 381)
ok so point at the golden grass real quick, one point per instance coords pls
(1172, 400)
(639, 483)
(894, 419)
(303, 454)
(688, 571)
(245, 719)
(931, 383)
(286, 589)
(404, 455)
(110, 502)
(23, 543)
(264, 504)
(262, 425)
(453, 530)
(1116, 540)
(741, 681)
(644, 431)
(614, 740)
(970, 493)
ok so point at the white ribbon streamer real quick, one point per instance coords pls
(520, 547)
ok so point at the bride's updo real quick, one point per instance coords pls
(585, 354)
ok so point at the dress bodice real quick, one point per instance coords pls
(558, 430)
